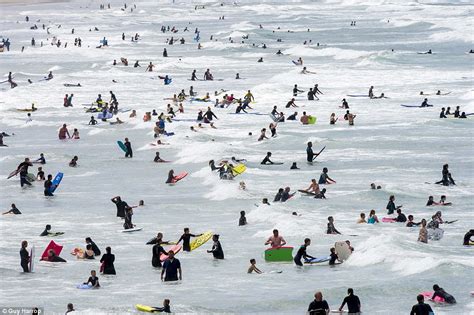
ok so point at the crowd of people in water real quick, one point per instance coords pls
(105, 110)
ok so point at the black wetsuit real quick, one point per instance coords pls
(108, 261)
(15, 210)
(285, 196)
(25, 260)
(217, 251)
(157, 250)
(318, 307)
(332, 260)
(242, 221)
(291, 117)
(128, 220)
(467, 237)
(95, 248)
(94, 281)
(390, 207)
(309, 154)
(323, 178)
(320, 195)
(353, 303)
(121, 206)
(278, 197)
(129, 152)
(171, 267)
(186, 239)
(448, 298)
(23, 167)
(300, 254)
(266, 160)
(310, 96)
(209, 115)
(421, 309)
(45, 233)
(401, 218)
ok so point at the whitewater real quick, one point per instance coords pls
(402, 149)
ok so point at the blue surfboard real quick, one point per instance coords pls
(56, 181)
(122, 146)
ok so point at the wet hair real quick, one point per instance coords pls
(350, 291)
(252, 261)
(306, 240)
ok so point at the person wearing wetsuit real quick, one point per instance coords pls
(324, 178)
(446, 177)
(93, 245)
(333, 256)
(93, 280)
(291, 103)
(239, 108)
(171, 267)
(267, 160)
(457, 112)
(467, 237)
(23, 170)
(209, 114)
(442, 114)
(321, 194)
(107, 261)
(278, 195)
(46, 230)
(293, 116)
(165, 309)
(242, 219)
(41, 159)
(425, 103)
(186, 237)
(286, 194)
(128, 219)
(448, 298)
(294, 166)
(318, 306)
(48, 185)
(24, 257)
(128, 145)
(52, 257)
(391, 205)
(157, 250)
(421, 308)
(310, 94)
(352, 301)
(122, 206)
(400, 216)
(13, 210)
(310, 155)
(302, 253)
(216, 250)
(410, 222)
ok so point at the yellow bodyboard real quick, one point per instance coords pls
(238, 169)
(198, 241)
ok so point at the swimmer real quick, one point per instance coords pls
(253, 267)
(275, 240)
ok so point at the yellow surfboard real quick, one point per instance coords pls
(198, 241)
(238, 169)
(146, 308)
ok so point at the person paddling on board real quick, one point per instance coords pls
(128, 145)
(275, 240)
(313, 187)
(302, 253)
(13, 210)
(186, 237)
(425, 103)
(93, 280)
(165, 309)
(439, 292)
(267, 160)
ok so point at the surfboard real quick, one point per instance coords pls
(419, 106)
(56, 181)
(84, 286)
(312, 120)
(199, 241)
(146, 308)
(175, 249)
(435, 234)
(108, 115)
(429, 294)
(55, 247)
(32, 259)
(135, 229)
(343, 251)
(389, 220)
(306, 192)
(275, 254)
(320, 151)
(122, 146)
(179, 177)
(317, 260)
(239, 169)
(14, 173)
(358, 95)
(30, 177)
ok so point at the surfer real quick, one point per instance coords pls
(291, 103)
(333, 257)
(439, 292)
(186, 237)
(157, 250)
(446, 179)
(352, 301)
(24, 257)
(22, 169)
(331, 228)
(313, 187)
(391, 208)
(52, 257)
(442, 114)
(242, 219)
(171, 268)
(158, 159)
(275, 240)
(310, 155)
(253, 267)
(318, 306)
(63, 132)
(467, 237)
(324, 178)
(425, 103)
(371, 92)
(286, 194)
(48, 185)
(296, 90)
(333, 119)
(165, 309)
(13, 210)
(128, 219)
(344, 105)
(400, 216)
(292, 116)
(107, 261)
(93, 280)
(302, 253)
(122, 206)
(421, 308)
(128, 146)
(267, 160)
(40, 160)
(216, 249)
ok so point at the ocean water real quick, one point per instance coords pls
(399, 148)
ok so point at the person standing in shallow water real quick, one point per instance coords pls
(24, 257)
(107, 261)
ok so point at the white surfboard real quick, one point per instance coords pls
(343, 251)
(135, 229)
(32, 259)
